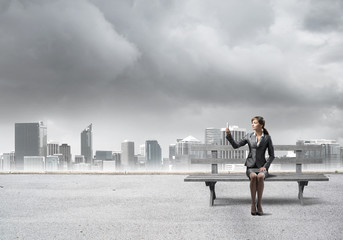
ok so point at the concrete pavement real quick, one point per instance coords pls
(162, 207)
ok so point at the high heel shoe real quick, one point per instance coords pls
(259, 210)
(253, 210)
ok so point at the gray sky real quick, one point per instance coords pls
(163, 70)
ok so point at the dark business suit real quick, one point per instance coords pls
(256, 157)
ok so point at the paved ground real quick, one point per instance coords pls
(162, 207)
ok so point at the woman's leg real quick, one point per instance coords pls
(260, 187)
(253, 185)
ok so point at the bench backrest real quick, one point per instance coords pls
(214, 161)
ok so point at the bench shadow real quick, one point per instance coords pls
(222, 201)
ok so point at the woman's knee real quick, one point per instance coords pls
(261, 176)
(253, 176)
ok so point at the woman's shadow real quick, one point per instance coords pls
(223, 201)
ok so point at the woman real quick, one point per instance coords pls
(257, 165)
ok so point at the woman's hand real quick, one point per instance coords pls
(227, 131)
(262, 169)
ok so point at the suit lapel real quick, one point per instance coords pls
(262, 141)
(253, 140)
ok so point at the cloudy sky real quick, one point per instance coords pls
(150, 69)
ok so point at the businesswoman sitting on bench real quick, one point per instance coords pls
(257, 165)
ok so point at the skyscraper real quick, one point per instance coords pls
(142, 149)
(64, 149)
(87, 144)
(153, 154)
(127, 155)
(237, 134)
(212, 136)
(172, 153)
(116, 156)
(30, 140)
(52, 148)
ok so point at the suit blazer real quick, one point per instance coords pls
(256, 154)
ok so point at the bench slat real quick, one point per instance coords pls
(243, 177)
(217, 161)
(285, 160)
(209, 147)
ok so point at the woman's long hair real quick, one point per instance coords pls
(262, 122)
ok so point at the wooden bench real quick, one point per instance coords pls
(211, 179)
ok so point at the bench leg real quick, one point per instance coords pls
(301, 185)
(211, 185)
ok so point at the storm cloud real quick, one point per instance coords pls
(168, 69)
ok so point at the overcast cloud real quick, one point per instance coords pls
(164, 70)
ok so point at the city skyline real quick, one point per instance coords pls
(33, 153)
(161, 70)
(165, 149)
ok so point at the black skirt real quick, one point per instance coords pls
(256, 170)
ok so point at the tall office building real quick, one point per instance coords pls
(30, 140)
(116, 156)
(52, 148)
(237, 134)
(212, 136)
(153, 154)
(172, 153)
(65, 150)
(87, 144)
(142, 149)
(127, 155)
